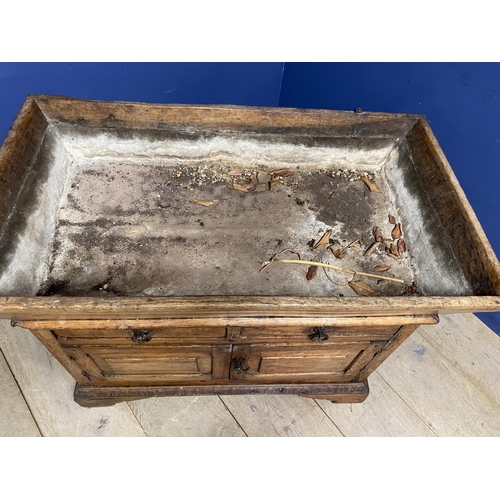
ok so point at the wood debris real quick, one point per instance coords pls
(282, 172)
(203, 203)
(331, 196)
(372, 248)
(236, 172)
(362, 288)
(273, 183)
(311, 273)
(323, 241)
(396, 232)
(244, 188)
(370, 185)
(381, 268)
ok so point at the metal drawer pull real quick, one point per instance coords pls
(319, 334)
(141, 336)
(240, 366)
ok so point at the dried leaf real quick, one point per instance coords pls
(324, 240)
(332, 195)
(411, 289)
(244, 188)
(392, 219)
(362, 288)
(263, 177)
(336, 249)
(401, 245)
(253, 177)
(273, 183)
(377, 234)
(203, 203)
(340, 255)
(283, 172)
(370, 185)
(311, 273)
(396, 232)
(381, 268)
(236, 172)
(372, 248)
(393, 251)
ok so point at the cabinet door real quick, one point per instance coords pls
(301, 364)
(153, 365)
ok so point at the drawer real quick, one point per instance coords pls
(137, 335)
(328, 334)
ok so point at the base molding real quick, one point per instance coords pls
(353, 392)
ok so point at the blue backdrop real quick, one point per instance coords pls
(460, 100)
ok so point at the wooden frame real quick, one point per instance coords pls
(413, 138)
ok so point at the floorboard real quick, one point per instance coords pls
(382, 414)
(271, 416)
(186, 416)
(48, 390)
(15, 416)
(450, 402)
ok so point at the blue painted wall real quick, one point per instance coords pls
(253, 84)
(461, 101)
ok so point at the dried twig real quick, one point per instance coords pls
(275, 256)
(328, 266)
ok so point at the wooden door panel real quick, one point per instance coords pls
(189, 361)
(301, 364)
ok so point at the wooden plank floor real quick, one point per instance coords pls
(443, 381)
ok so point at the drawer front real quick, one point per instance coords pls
(301, 364)
(310, 333)
(134, 336)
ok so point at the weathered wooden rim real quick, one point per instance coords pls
(61, 308)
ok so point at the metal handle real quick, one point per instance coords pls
(319, 334)
(240, 365)
(141, 336)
